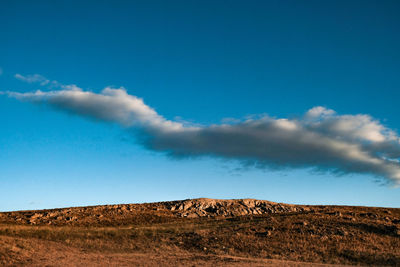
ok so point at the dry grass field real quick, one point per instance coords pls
(201, 232)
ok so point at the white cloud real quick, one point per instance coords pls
(319, 112)
(110, 105)
(43, 81)
(321, 139)
(35, 78)
(350, 127)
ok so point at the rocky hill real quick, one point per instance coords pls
(122, 213)
(205, 232)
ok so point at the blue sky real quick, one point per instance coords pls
(192, 61)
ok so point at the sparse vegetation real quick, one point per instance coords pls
(319, 234)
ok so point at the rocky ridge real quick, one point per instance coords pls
(159, 212)
(125, 213)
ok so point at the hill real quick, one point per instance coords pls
(201, 232)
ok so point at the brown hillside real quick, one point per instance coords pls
(203, 232)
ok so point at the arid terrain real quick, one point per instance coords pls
(201, 232)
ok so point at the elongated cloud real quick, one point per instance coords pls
(321, 138)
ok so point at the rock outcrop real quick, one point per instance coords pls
(204, 207)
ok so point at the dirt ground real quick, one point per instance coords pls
(35, 252)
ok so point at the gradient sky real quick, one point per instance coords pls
(199, 61)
